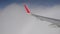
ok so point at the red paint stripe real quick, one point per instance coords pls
(26, 8)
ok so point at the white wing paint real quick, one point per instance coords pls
(52, 20)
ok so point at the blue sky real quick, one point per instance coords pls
(4, 3)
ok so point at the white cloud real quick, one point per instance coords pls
(52, 12)
(14, 20)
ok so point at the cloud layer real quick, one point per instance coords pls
(14, 20)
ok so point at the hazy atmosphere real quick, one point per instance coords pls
(15, 20)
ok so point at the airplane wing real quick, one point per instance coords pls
(52, 20)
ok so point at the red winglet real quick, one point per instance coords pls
(26, 8)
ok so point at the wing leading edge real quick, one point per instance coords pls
(52, 20)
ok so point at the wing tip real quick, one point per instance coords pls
(27, 9)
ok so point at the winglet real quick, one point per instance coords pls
(27, 9)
